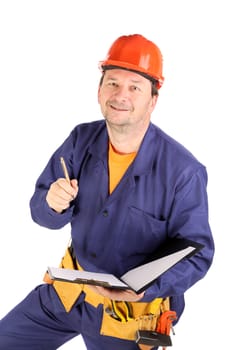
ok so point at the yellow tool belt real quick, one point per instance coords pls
(120, 319)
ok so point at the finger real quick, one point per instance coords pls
(67, 188)
(74, 184)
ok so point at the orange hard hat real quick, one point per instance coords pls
(135, 52)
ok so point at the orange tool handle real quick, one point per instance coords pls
(165, 322)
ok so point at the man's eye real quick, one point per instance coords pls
(112, 83)
(135, 88)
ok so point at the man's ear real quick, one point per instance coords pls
(98, 94)
(153, 102)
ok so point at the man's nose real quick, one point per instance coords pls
(122, 92)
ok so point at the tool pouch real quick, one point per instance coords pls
(67, 292)
(144, 317)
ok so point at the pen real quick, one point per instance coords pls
(65, 171)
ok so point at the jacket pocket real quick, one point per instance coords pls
(144, 232)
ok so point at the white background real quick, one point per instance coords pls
(49, 53)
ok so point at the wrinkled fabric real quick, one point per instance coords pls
(40, 322)
(162, 195)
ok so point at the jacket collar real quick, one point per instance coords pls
(144, 160)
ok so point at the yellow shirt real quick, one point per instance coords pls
(118, 163)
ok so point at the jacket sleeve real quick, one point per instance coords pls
(41, 213)
(188, 219)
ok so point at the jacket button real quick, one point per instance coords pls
(105, 213)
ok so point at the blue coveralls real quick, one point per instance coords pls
(162, 195)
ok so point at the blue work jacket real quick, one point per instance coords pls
(162, 195)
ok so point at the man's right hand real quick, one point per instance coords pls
(61, 193)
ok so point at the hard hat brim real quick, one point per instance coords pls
(111, 64)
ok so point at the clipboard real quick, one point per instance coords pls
(137, 279)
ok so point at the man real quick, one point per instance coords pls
(132, 189)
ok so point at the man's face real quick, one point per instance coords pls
(125, 98)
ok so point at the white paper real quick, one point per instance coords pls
(142, 275)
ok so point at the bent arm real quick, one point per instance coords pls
(43, 211)
(188, 219)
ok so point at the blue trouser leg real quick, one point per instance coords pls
(40, 322)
